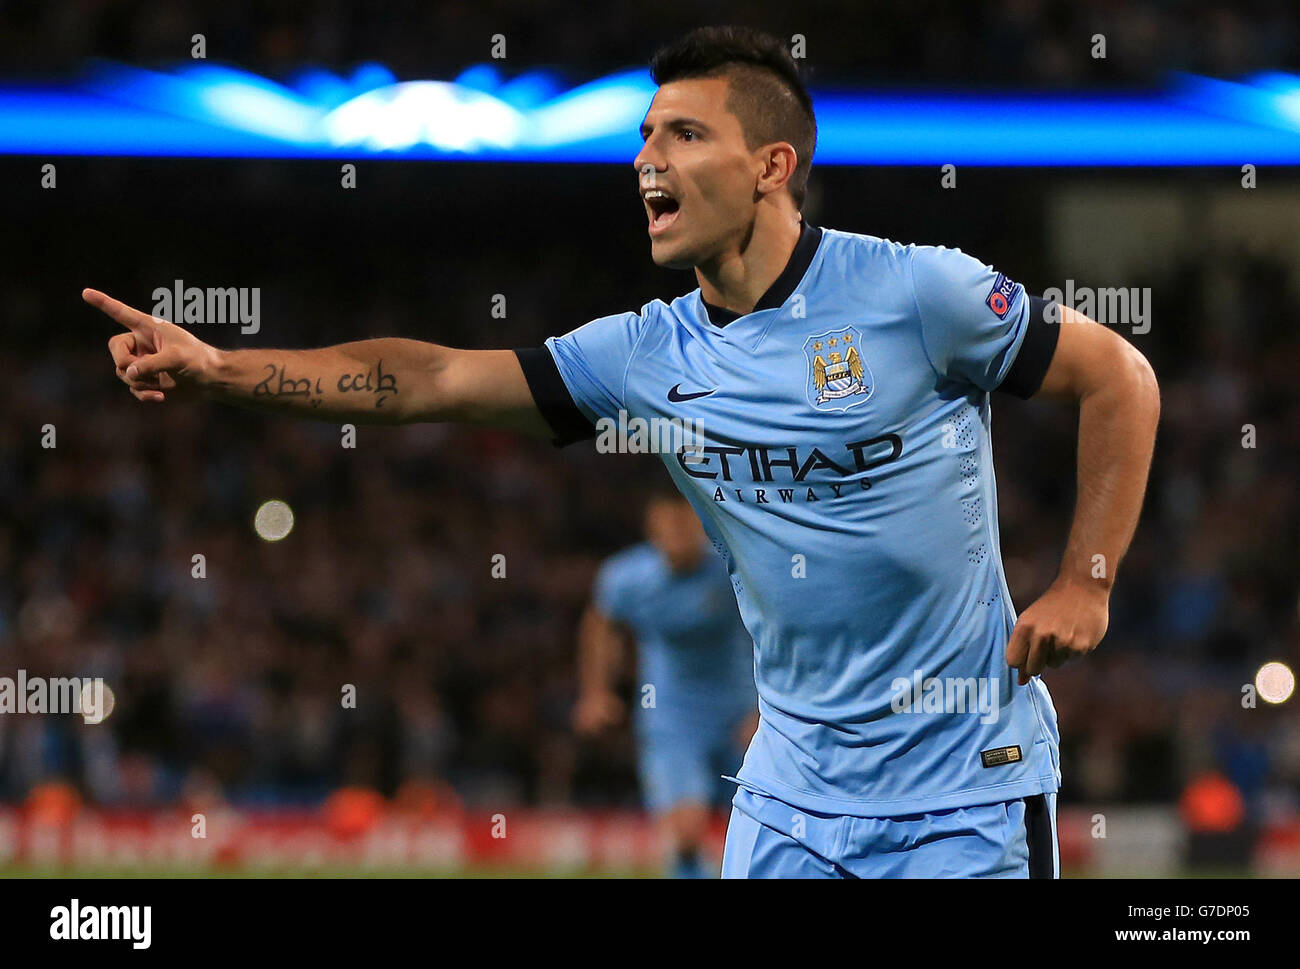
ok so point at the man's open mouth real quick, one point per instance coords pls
(662, 209)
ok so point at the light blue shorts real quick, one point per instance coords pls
(767, 838)
(688, 766)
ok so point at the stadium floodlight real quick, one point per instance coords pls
(218, 111)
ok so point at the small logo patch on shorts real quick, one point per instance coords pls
(999, 756)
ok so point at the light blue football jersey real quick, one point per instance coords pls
(692, 649)
(846, 477)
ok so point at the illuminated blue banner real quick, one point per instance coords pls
(209, 110)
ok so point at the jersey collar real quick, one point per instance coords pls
(809, 238)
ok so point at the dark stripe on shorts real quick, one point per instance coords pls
(1038, 835)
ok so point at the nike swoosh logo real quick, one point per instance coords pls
(677, 397)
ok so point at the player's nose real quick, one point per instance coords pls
(647, 167)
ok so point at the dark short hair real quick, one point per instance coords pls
(765, 90)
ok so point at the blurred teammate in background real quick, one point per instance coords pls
(696, 704)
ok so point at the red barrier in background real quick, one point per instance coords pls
(271, 840)
(384, 840)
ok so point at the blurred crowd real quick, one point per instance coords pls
(1006, 41)
(1211, 588)
(231, 684)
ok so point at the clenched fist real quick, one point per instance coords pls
(1066, 623)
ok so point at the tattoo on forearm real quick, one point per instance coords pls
(278, 384)
(286, 386)
(382, 385)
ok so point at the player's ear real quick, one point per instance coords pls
(779, 161)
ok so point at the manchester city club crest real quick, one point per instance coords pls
(838, 377)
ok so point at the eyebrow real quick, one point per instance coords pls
(676, 124)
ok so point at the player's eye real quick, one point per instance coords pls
(689, 134)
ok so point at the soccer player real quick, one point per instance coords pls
(843, 385)
(696, 705)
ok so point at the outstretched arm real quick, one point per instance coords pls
(1119, 407)
(384, 381)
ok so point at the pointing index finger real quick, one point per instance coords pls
(130, 318)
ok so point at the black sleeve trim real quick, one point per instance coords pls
(1036, 351)
(552, 397)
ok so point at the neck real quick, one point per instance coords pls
(737, 277)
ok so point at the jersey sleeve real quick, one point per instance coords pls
(593, 361)
(976, 323)
(578, 378)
